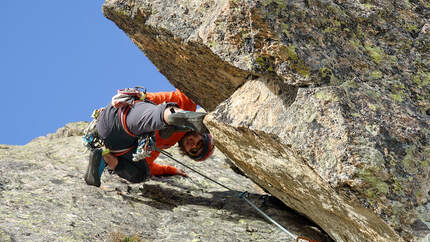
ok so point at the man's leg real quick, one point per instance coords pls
(111, 161)
(134, 172)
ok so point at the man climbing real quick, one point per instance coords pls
(170, 117)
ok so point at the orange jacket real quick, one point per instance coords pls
(184, 103)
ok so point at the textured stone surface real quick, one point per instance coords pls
(43, 197)
(338, 110)
(363, 155)
(170, 33)
(204, 47)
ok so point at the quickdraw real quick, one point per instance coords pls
(123, 100)
(145, 147)
(90, 138)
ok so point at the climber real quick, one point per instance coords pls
(169, 116)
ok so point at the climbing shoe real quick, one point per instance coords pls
(95, 168)
(188, 120)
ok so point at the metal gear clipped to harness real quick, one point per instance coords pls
(145, 147)
(90, 138)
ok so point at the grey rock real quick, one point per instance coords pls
(43, 197)
(323, 103)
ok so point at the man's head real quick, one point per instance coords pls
(197, 146)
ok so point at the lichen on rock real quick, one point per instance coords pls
(43, 197)
(325, 104)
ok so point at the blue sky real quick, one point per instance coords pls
(59, 60)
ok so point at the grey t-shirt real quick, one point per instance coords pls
(145, 117)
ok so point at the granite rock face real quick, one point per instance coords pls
(324, 103)
(43, 197)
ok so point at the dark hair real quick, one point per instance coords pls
(181, 141)
(208, 146)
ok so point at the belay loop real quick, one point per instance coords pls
(145, 147)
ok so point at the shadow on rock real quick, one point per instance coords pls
(228, 205)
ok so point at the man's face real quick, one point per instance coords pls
(193, 144)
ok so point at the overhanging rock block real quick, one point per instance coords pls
(263, 154)
(336, 121)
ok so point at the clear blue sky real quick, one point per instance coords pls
(59, 60)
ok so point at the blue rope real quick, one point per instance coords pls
(171, 157)
(242, 195)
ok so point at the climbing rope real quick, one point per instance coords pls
(203, 175)
(244, 196)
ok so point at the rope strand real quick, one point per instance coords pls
(242, 195)
(171, 157)
(266, 216)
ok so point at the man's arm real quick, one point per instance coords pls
(158, 170)
(177, 96)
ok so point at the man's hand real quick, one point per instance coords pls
(181, 172)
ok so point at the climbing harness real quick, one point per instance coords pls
(123, 100)
(244, 196)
